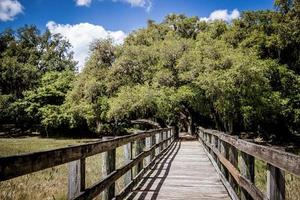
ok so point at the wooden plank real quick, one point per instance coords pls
(275, 183)
(246, 184)
(213, 158)
(185, 173)
(109, 166)
(76, 178)
(13, 166)
(140, 175)
(283, 160)
(224, 152)
(139, 148)
(233, 159)
(148, 142)
(247, 170)
(127, 158)
(101, 185)
(153, 142)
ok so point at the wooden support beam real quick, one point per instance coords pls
(148, 144)
(161, 139)
(127, 159)
(224, 152)
(139, 149)
(76, 178)
(247, 170)
(153, 142)
(233, 159)
(275, 183)
(109, 166)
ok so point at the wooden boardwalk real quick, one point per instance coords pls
(184, 172)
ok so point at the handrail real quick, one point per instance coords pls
(18, 165)
(224, 149)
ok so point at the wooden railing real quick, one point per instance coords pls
(234, 159)
(149, 146)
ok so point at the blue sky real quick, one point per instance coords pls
(91, 19)
(119, 15)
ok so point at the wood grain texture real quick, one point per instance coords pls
(283, 160)
(275, 183)
(76, 178)
(32, 162)
(183, 173)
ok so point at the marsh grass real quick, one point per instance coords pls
(292, 182)
(50, 183)
(260, 180)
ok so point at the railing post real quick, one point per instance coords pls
(153, 142)
(139, 148)
(214, 145)
(76, 178)
(168, 135)
(127, 159)
(160, 140)
(224, 152)
(108, 166)
(233, 159)
(247, 170)
(275, 183)
(148, 145)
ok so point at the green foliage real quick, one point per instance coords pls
(238, 76)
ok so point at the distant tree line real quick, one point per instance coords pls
(237, 77)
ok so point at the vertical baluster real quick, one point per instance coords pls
(247, 170)
(109, 165)
(275, 183)
(148, 147)
(139, 148)
(214, 145)
(153, 142)
(157, 137)
(160, 140)
(224, 151)
(233, 159)
(127, 159)
(76, 178)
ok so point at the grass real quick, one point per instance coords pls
(292, 182)
(49, 183)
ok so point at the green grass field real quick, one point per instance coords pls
(49, 183)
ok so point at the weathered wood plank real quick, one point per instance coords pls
(247, 171)
(184, 173)
(233, 159)
(100, 186)
(140, 175)
(275, 183)
(139, 149)
(148, 144)
(213, 158)
(109, 166)
(127, 158)
(76, 178)
(283, 160)
(32, 162)
(246, 184)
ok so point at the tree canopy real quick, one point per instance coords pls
(242, 76)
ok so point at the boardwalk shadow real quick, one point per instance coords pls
(159, 171)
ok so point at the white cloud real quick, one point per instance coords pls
(83, 2)
(9, 9)
(81, 35)
(139, 3)
(222, 15)
(147, 4)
